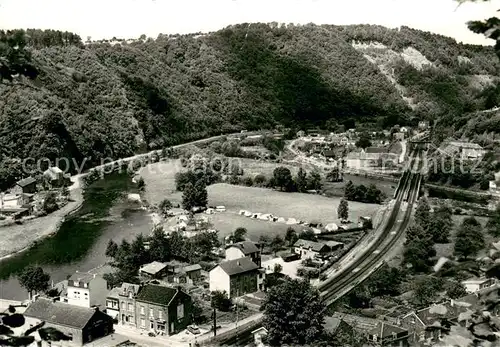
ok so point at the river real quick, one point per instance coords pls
(81, 241)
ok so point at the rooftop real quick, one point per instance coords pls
(84, 277)
(476, 280)
(153, 268)
(26, 181)
(247, 247)
(123, 290)
(385, 330)
(376, 150)
(315, 246)
(156, 294)
(192, 268)
(238, 266)
(60, 313)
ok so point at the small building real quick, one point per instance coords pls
(329, 154)
(258, 336)
(82, 325)
(193, 273)
(466, 150)
(87, 290)
(334, 245)
(388, 335)
(474, 285)
(26, 185)
(399, 136)
(15, 201)
(237, 277)
(54, 176)
(162, 309)
(423, 125)
(154, 270)
(244, 249)
(310, 249)
(120, 303)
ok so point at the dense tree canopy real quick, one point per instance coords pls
(293, 314)
(94, 101)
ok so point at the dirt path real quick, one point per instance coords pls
(18, 237)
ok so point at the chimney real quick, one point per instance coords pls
(452, 302)
(239, 263)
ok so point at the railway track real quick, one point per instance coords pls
(405, 197)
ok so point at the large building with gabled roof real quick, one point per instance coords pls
(237, 277)
(80, 325)
(163, 309)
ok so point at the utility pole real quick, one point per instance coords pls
(237, 295)
(215, 322)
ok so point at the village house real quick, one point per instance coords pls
(244, 249)
(154, 270)
(365, 158)
(388, 335)
(163, 310)
(193, 273)
(423, 125)
(474, 285)
(237, 277)
(26, 185)
(311, 249)
(466, 150)
(54, 176)
(416, 322)
(399, 136)
(15, 201)
(82, 325)
(87, 290)
(120, 303)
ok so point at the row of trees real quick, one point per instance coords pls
(282, 178)
(127, 257)
(361, 193)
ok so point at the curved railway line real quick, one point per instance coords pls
(405, 197)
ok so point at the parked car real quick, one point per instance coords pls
(193, 329)
(151, 334)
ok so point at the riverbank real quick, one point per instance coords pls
(17, 238)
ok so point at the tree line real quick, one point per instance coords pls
(100, 100)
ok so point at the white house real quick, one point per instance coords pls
(236, 277)
(87, 290)
(243, 249)
(474, 285)
(310, 249)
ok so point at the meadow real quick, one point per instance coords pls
(160, 184)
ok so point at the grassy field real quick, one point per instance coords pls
(160, 184)
(253, 167)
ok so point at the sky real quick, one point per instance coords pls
(131, 18)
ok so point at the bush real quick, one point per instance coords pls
(248, 181)
(260, 180)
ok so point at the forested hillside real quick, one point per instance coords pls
(59, 97)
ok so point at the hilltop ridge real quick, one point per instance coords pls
(100, 100)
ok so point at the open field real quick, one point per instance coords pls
(160, 184)
(252, 167)
(160, 177)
